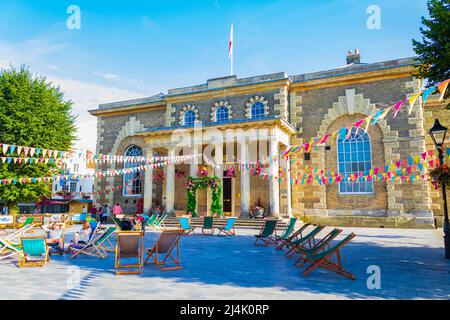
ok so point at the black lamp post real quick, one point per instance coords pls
(438, 133)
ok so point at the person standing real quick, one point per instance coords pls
(93, 212)
(117, 209)
(105, 213)
(99, 213)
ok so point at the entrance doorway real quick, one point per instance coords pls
(227, 195)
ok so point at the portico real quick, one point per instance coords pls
(217, 149)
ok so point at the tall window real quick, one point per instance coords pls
(354, 156)
(132, 182)
(189, 118)
(257, 110)
(221, 114)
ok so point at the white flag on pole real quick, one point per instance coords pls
(230, 48)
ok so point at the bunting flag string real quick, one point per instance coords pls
(371, 119)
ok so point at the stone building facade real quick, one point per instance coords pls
(242, 120)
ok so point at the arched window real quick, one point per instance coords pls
(132, 182)
(221, 114)
(257, 110)
(189, 118)
(354, 156)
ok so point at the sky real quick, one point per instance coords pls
(136, 48)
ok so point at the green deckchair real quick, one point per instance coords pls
(97, 247)
(320, 246)
(26, 226)
(8, 249)
(308, 239)
(287, 232)
(324, 259)
(267, 233)
(152, 220)
(293, 236)
(208, 225)
(159, 224)
(34, 252)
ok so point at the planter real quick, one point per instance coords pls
(258, 213)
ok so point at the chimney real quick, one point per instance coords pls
(353, 58)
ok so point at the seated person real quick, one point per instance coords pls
(54, 233)
(81, 237)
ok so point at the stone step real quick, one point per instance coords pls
(172, 222)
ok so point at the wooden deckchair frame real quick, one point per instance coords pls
(291, 227)
(325, 260)
(155, 255)
(231, 231)
(270, 239)
(307, 241)
(24, 262)
(293, 236)
(9, 248)
(187, 231)
(139, 255)
(320, 246)
(94, 248)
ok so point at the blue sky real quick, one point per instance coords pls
(129, 49)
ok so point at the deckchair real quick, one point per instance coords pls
(96, 247)
(27, 226)
(308, 240)
(159, 224)
(185, 226)
(287, 232)
(116, 221)
(152, 219)
(228, 229)
(130, 244)
(292, 237)
(267, 233)
(320, 246)
(8, 249)
(324, 259)
(34, 252)
(168, 241)
(208, 223)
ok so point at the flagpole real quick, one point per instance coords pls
(231, 49)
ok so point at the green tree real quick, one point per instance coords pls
(434, 50)
(33, 113)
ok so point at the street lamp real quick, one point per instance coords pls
(438, 133)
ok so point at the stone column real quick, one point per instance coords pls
(194, 161)
(170, 185)
(274, 185)
(218, 170)
(288, 188)
(148, 183)
(245, 180)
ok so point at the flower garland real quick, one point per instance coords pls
(215, 184)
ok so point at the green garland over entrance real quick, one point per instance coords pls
(215, 184)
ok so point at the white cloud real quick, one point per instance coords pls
(86, 95)
(108, 76)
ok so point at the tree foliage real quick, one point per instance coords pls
(34, 113)
(434, 49)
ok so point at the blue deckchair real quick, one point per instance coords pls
(185, 226)
(228, 229)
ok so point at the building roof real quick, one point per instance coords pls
(233, 81)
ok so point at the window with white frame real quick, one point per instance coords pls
(189, 118)
(258, 110)
(222, 114)
(354, 156)
(132, 182)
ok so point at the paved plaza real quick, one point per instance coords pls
(411, 262)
